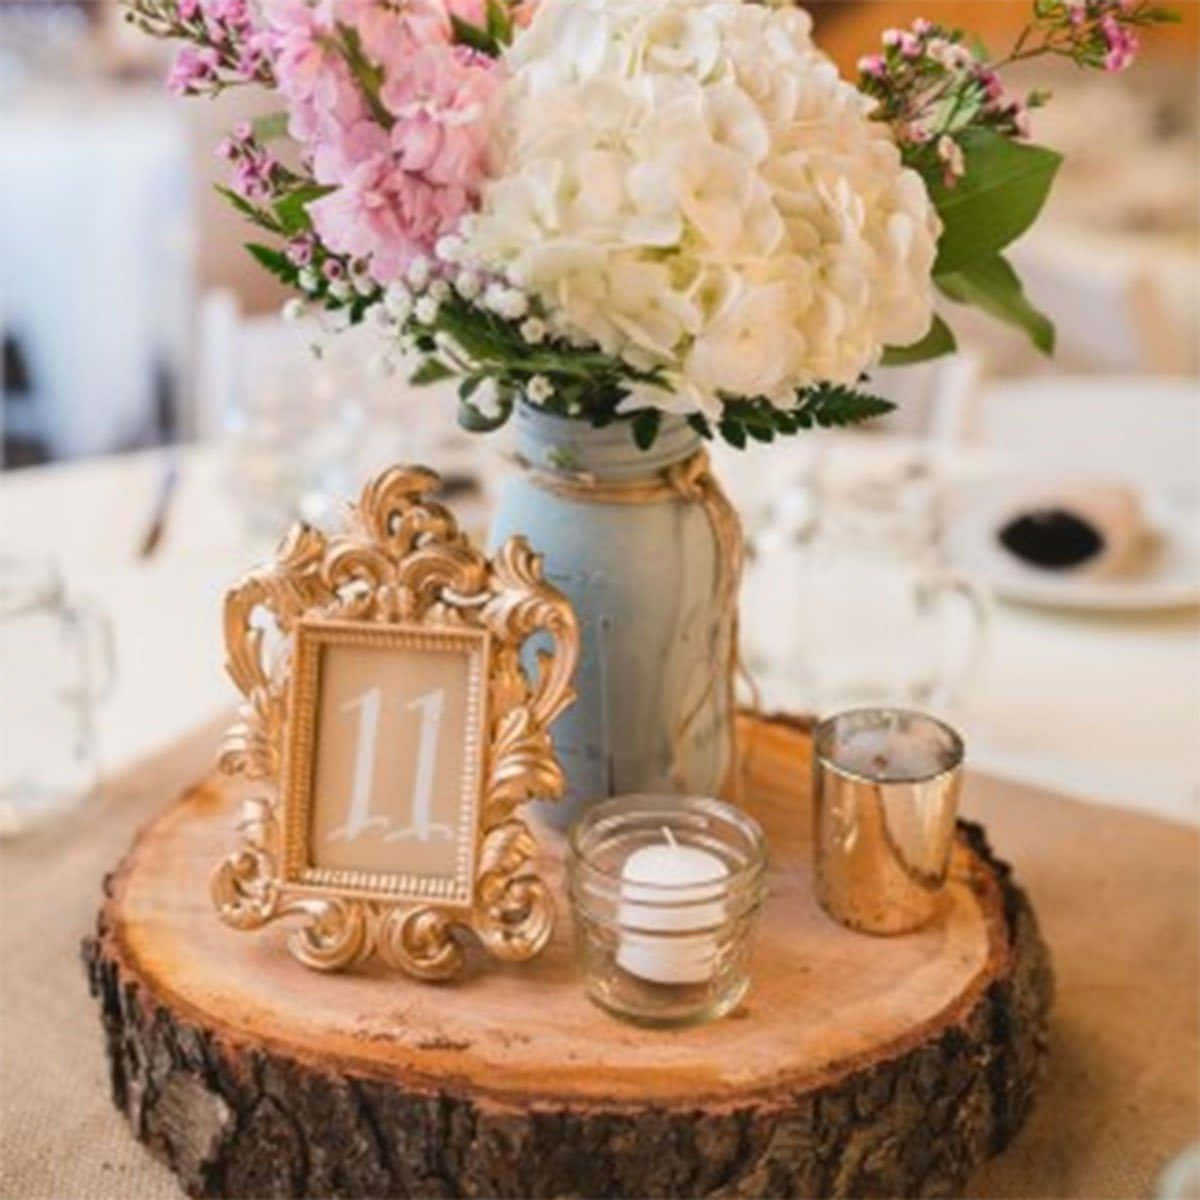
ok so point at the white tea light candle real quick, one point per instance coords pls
(664, 891)
(676, 892)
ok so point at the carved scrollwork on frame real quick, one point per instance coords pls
(399, 575)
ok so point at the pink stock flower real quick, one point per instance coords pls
(310, 72)
(391, 32)
(441, 101)
(406, 158)
(385, 215)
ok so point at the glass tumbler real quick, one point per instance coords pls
(664, 893)
(849, 601)
(58, 663)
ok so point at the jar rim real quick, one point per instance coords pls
(616, 806)
(823, 752)
(572, 445)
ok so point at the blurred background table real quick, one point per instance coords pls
(1103, 705)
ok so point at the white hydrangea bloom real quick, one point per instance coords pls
(690, 185)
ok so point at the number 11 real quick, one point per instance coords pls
(431, 705)
(358, 811)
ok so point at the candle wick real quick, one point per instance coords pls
(670, 837)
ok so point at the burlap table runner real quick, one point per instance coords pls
(1117, 895)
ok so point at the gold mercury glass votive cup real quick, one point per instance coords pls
(886, 784)
(664, 894)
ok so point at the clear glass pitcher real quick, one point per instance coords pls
(847, 600)
(58, 663)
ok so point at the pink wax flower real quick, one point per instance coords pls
(300, 250)
(226, 19)
(1123, 44)
(254, 174)
(991, 85)
(873, 65)
(193, 70)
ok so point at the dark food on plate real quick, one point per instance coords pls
(1091, 526)
(1051, 537)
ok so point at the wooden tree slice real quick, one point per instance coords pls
(856, 1066)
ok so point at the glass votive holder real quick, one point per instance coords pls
(886, 784)
(664, 893)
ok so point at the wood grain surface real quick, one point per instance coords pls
(856, 1065)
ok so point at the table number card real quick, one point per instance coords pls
(392, 736)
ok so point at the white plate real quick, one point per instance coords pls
(1167, 575)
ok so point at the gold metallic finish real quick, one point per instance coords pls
(886, 785)
(400, 572)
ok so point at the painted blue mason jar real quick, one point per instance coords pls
(652, 713)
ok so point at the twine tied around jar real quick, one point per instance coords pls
(693, 482)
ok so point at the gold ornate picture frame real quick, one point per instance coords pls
(396, 598)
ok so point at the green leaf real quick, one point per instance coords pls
(829, 404)
(992, 285)
(734, 432)
(432, 370)
(645, 427)
(367, 74)
(275, 261)
(292, 209)
(499, 22)
(473, 421)
(239, 202)
(1003, 190)
(938, 341)
(270, 128)
(467, 34)
(260, 217)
